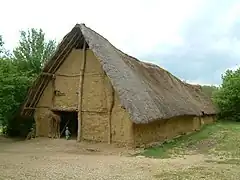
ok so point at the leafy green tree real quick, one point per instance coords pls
(17, 73)
(227, 98)
(33, 50)
(1, 44)
(209, 90)
(2, 49)
(3, 52)
(13, 89)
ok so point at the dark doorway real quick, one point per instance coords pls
(69, 119)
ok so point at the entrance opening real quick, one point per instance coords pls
(69, 119)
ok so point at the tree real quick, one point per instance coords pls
(13, 89)
(3, 52)
(227, 98)
(17, 73)
(33, 50)
(1, 45)
(209, 90)
(2, 49)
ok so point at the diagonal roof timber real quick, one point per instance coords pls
(54, 68)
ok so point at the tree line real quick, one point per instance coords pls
(18, 69)
(20, 66)
(226, 97)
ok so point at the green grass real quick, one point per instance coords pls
(220, 139)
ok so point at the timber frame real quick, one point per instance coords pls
(52, 76)
(110, 116)
(80, 93)
(74, 39)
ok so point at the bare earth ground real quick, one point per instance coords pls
(44, 158)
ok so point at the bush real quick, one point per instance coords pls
(17, 72)
(227, 98)
(18, 126)
(13, 90)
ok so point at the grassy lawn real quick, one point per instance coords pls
(219, 139)
(219, 143)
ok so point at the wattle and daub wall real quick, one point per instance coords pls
(96, 107)
(167, 129)
(96, 101)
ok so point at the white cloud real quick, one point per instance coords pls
(234, 68)
(183, 36)
(200, 82)
(225, 44)
(136, 26)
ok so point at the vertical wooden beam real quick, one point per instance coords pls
(110, 116)
(53, 89)
(80, 93)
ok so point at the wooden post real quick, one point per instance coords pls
(53, 90)
(51, 130)
(110, 117)
(80, 93)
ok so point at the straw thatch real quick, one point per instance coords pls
(146, 91)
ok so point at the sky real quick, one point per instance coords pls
(196, 40)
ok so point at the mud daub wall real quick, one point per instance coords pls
(97, 99)
(167, 129)
(208, 119)
(66, 99)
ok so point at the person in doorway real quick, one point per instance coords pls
(67, 133)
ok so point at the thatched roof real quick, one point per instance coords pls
(147, 91)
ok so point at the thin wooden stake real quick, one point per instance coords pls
(33, 108)
(110, 117)
(53, 90)
(58, 74)
(80, 93)
(64, 127)
(35, 94)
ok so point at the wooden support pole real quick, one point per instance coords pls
(53, 90)
(58, 74)
(64, 52)
(36, 94)
(64, 127)
(110, 116)
(80, 92)
(52, 105)
(46, 74)
(33, 108)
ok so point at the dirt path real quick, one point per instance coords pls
(60, 159)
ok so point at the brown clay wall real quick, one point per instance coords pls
(94, 107)
(196, 123)
(166, 129)
(67, 86)
(122, 126)
(97, 99)
(40, 116)
(208, 119)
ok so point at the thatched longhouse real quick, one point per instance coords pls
(106, 95)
